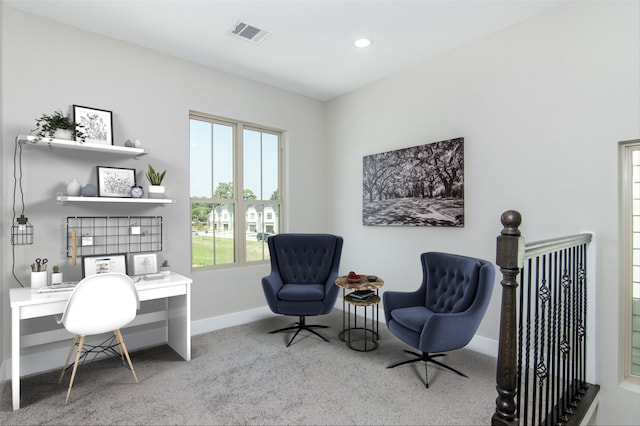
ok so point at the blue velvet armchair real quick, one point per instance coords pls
(445, 312)
(304, 268)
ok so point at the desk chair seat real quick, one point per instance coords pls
(99, 304)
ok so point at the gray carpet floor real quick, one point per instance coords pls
(243, 375)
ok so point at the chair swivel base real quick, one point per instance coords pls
(302, 325)
(427, 358)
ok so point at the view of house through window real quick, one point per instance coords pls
(234, 186)
(630, 205)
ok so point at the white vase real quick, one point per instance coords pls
(73, 188)
(62, 134)
(155, 191)
(56, 277)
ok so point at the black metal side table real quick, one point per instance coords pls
(369, 333)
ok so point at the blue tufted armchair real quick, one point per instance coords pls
(304, 268)
(445, 312)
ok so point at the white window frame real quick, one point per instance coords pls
(240, 221)
(626, 149)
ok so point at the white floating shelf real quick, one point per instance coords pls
(29, 140)
(68, 199)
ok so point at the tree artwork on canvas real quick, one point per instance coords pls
(418, 186)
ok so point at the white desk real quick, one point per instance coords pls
(26, 303)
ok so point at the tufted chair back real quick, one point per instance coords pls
(451, 281)
(304, 258)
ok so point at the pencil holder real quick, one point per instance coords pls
(38, 279)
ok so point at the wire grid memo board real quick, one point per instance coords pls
(105, 235)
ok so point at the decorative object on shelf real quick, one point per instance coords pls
(73, 188)
(128, 143)
(155, 190)
(89, 191)
(22, 232)
(165, 268)
(96, 124)
(137, 143)
(137, 191)
(59, 126)
(115, 181)
(56, 275)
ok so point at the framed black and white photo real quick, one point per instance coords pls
(96, 124)
(115, 181)
(92, 265)
(418, 186)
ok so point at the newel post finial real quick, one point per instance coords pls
(511, 220)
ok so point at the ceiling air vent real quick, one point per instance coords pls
(249, 32)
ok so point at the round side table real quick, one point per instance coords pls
(369, 332)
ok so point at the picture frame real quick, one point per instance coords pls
(417, 186)
(102, 264)
(96, 124)
(143, 263)
(115, 181)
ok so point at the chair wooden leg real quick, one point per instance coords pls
(119, 347)
(66, 362)
(75, 367)
(126, 353)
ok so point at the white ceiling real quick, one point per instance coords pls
(310, 51)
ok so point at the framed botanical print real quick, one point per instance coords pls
(115, 181)
(96, 124)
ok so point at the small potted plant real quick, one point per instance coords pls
(165, 268)
(59, 126)
(56, 275)
(155, 190)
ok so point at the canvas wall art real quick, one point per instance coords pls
(418, 186)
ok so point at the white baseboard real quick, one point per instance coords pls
(229, 320)
(53, 359)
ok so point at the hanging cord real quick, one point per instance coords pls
(17, 183)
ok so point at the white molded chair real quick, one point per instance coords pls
(99, 304)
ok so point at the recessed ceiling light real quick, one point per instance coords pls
(362, 43)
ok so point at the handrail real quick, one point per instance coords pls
(536, 248)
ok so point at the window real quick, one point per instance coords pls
(235, 181)
(630, 208)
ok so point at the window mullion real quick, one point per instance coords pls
(240, 229)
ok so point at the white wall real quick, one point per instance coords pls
(48, 66)
(542, 106)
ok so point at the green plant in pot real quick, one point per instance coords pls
(56, 275)
(59, 126)
(155, 190)
(165, 268)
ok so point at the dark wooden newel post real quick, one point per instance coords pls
(510, 258)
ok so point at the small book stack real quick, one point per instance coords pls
(361, 295)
